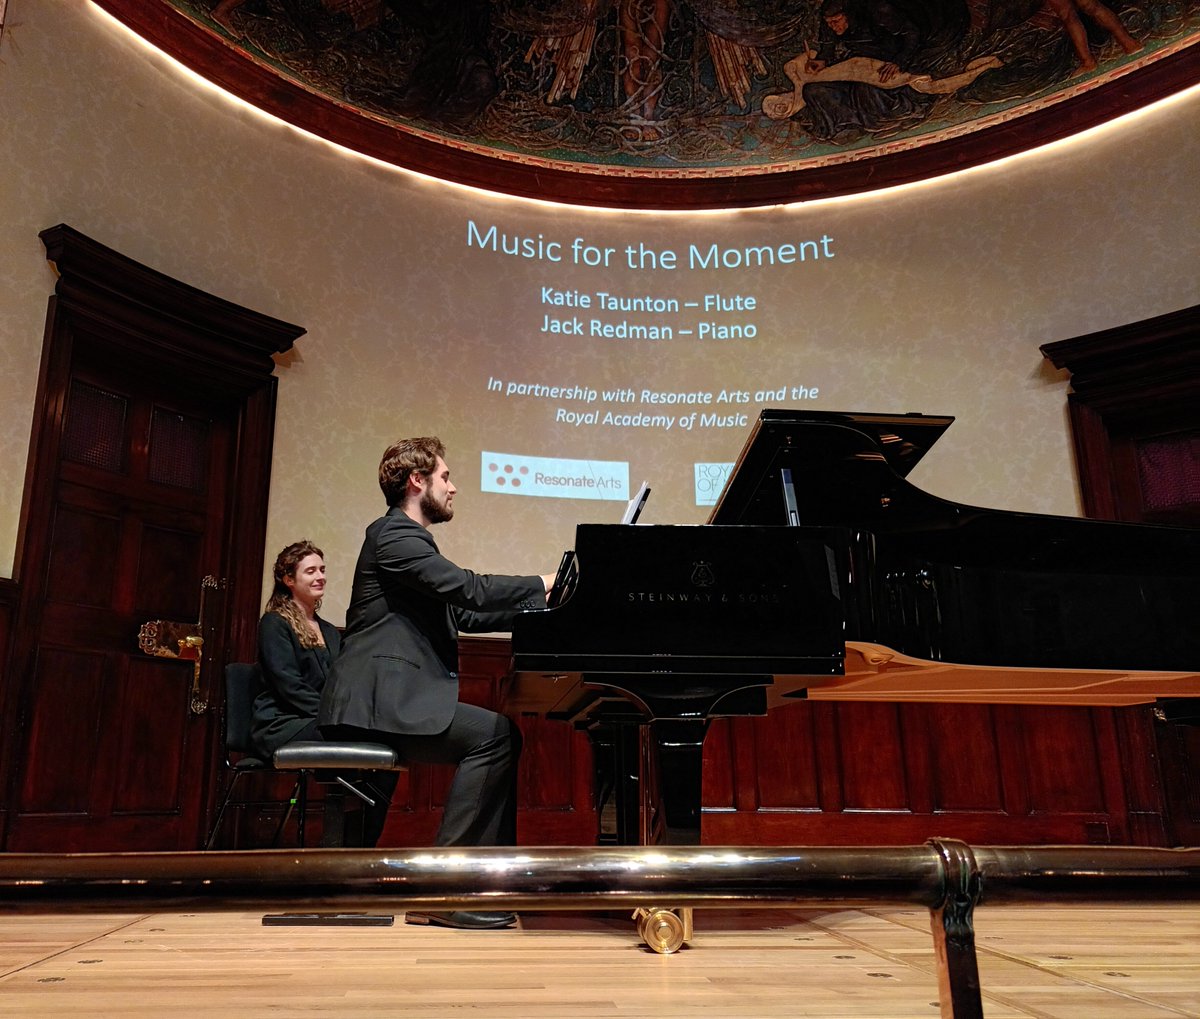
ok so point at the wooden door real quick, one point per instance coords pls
(148, 473)
(116, 743)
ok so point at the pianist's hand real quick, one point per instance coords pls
(548, 580)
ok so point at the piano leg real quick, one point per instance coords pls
(649, 764)
(647, 736)
(617, 765)
(671, 798)
(671, 758)
(648, 781)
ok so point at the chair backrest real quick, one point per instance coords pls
(243, 684)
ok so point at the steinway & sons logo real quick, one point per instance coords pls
(705, 590)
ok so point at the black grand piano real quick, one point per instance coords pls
(822, 573)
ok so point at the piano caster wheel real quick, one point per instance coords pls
(664, 930)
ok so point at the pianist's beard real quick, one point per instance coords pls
(436, 512)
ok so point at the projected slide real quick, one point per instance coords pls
(609, 358)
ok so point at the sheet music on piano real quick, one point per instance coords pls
(568, 569)
(790, 506)
(564, 580)
(636, 504)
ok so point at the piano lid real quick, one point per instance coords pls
(816, 444)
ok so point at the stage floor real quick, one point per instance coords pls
(1076, 962)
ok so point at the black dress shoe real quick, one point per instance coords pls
(463, 919)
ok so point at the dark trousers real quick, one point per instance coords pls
(481, 807)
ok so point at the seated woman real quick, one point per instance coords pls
(295, 649)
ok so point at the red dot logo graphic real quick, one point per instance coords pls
(506, 474)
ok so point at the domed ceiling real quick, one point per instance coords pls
(683, 103)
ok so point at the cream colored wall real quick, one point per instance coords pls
(937, 301)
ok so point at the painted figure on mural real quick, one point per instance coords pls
(1068, 11)
(863, 74)
(873, 68)
(665, 84)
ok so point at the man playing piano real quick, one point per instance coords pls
(396, 680)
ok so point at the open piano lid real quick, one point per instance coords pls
(813, 444)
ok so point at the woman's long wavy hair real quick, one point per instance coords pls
(281, 599)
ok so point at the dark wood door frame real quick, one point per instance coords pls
(1132, 379)
(151, 321)
(1131, 384)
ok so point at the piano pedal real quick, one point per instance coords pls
(663, 929)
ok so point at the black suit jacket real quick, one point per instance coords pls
(294, 677)
(398, 670)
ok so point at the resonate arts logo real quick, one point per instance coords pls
(553, 477)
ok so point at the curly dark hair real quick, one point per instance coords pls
(401, 459)
(281, 600)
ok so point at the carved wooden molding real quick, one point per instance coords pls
(1156, 358)
(220, 340)
(1132, 379)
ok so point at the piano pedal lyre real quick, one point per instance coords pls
(663, 929)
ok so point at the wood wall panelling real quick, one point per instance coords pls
(859, 774)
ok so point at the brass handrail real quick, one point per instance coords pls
(558, 877)
(945, 875)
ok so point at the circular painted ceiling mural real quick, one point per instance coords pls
(667, 103)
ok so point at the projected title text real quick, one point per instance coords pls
(639, 256)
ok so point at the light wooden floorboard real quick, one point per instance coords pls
(1040, 962)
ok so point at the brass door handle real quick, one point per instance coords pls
(185, 641)
(191, 648)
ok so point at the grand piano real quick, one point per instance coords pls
(823, 573)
